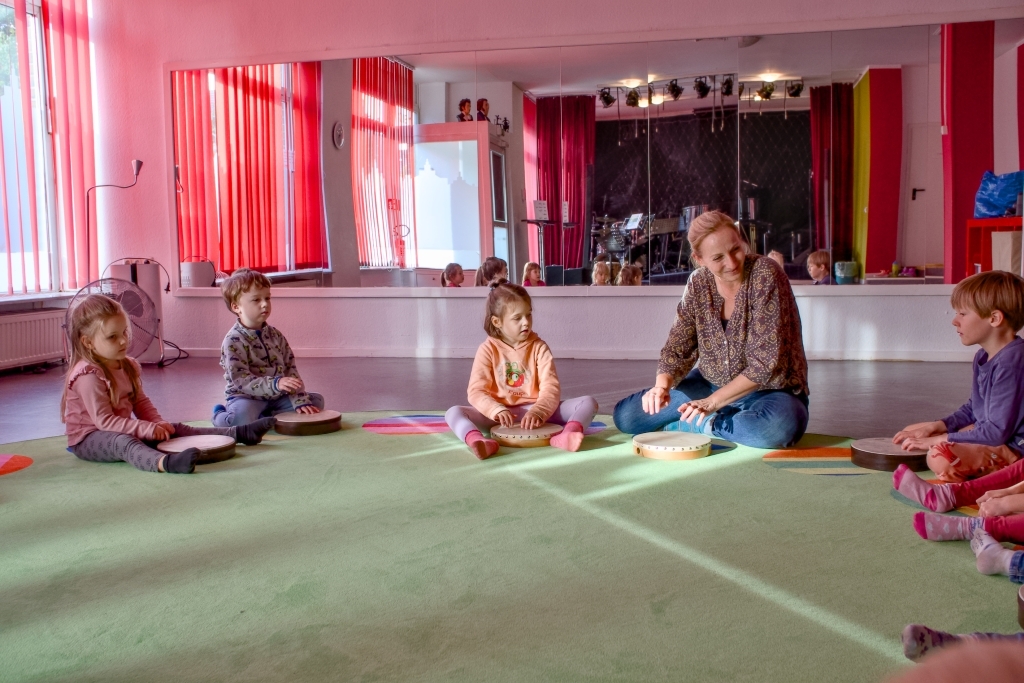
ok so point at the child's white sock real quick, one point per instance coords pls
(993, 558)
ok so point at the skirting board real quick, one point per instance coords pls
(965, 356)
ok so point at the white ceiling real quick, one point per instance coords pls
(815, 57)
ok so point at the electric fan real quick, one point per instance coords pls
(135, 302)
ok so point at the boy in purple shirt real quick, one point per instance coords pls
(989, 312)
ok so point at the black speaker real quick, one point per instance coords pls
(554, 276)
(574, 276)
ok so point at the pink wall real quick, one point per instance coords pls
(138, 41)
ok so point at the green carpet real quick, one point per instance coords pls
(360, 557)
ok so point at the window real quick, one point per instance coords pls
(247, 153)
(29, 246)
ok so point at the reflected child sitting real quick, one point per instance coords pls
(531, 275)
(452, 276)
(602, 274)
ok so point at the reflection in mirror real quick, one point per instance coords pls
(693, 146)
(784, 151)
(605, 138)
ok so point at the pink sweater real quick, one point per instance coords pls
(504, 376)
(88, 406)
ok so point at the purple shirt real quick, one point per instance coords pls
(996, 408)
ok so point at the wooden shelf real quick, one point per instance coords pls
(979, 239)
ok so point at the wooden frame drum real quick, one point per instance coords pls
(517, 437)
(671, 445)
(885, 456)
(212, 448)
(308, 424)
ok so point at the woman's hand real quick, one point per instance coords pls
(1011, 504)
(655, 399)
(920, 430)
(697, 409)
(505, 418)
(531, 421)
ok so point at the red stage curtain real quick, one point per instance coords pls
(530, 163)
(566, 133)
(967, 74)
(832, 166)
(67, 47)
(198, 236)
(886, 86)
(382, 160)
(250, 168)
(1020, 103)
(310, 225)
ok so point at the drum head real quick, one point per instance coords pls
(308, 424)
(883, 455)
(212, 448)
(517, 437)
(671, 445)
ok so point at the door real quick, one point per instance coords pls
(501, 219)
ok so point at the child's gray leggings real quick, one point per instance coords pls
(115, 446)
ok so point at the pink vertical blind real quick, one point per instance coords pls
(243, 199)
(382, 160)
(67, 48)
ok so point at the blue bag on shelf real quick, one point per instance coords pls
(997, 194)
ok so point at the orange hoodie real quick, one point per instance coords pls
(504, 376)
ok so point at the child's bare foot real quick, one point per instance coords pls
(482, 448)
(570, 438)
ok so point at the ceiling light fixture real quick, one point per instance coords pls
(633, 98)
(765, 91)
(701, 87)
(674, 89)
(606, 97)
(793, 89)
(769, 77)
(727, 86)
(657, 99)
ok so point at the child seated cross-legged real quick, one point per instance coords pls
(989, 312)
(514, 380)
(258, 363)
(104, 388)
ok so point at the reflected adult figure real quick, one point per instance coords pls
(464, 114)
(483, 109)
(739, 318)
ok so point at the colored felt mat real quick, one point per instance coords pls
(12, 463)
(431, 424)
(356, 556)
(817, 455)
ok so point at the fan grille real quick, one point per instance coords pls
(136, 303)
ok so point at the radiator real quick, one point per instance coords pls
(31, 337)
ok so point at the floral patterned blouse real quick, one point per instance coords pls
(762, 340)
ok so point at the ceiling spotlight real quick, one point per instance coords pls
(741, 89)
(657, 98)
(765, 91)
(674, 89)
(633, 98)
(645, 100)
(701, 87)
(795, 88)
(606, 97)
(727, 86)
(769, 77)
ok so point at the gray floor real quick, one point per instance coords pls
(848, 398)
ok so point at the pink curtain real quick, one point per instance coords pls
(832, 166)
(198, 234)
(566, 133)
(382, 160)
(67, 47)
(530, 163)
(310, 225)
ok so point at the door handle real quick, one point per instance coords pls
(913, 193)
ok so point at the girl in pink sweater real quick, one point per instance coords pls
(103, 390)
(514, 380)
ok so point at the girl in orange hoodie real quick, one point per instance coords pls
(514, 380)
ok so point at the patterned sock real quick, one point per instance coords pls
(918, 640)
(183, 462)
(937, 498)
(993, 558)
(252, 433)
(482, 448)
(570, 438)
(935, 527)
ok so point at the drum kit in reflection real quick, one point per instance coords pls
(622, 238)
(214, 448)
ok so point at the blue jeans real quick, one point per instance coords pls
(242, 411)
(763, 419)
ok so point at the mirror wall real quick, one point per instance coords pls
(824, 143)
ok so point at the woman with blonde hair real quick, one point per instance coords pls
(739, 319)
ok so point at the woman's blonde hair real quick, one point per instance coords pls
(86, 318)
(705, 224)
(502, 294)
(531, 265)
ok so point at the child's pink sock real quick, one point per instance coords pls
(938, 498)
(482, 448)
(934, 527)
(570, 438)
